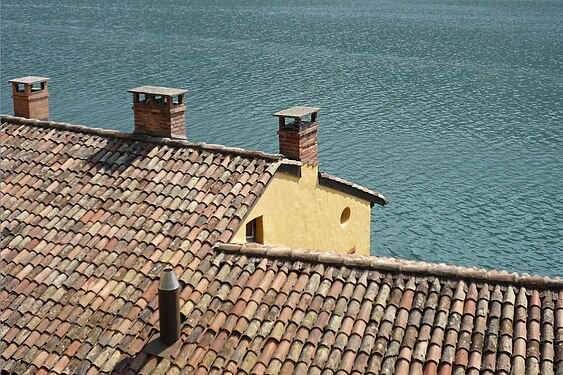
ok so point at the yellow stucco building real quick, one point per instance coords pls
(303, 208)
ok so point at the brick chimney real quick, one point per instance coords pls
(298, 139)
(31, 97)
(159, 111)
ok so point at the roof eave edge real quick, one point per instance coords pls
(372, 197)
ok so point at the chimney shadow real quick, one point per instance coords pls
(118, 155)
(154, 348)
(166, 342)
(158, 112)
(131, 363)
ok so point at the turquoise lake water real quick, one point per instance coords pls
(452, 109)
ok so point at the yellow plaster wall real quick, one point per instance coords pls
(300, 213)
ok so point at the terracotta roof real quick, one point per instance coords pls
(91, 218)
(258, 309)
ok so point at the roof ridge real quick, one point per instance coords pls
(394, 265)
(138, 137)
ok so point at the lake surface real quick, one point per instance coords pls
(452, 109)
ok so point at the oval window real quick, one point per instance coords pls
(345, 216)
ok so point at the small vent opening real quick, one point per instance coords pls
(345, 216)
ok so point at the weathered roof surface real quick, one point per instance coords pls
(156, 90)
(258, 309)
(29, 80)
(90, 218)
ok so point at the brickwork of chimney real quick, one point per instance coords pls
(299, 141)
(31, 104)
(164, 120)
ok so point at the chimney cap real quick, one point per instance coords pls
(297, 112)
(155, 90)
(29, 80)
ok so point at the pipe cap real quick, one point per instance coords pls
(168, 280)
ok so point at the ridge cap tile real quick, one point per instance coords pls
(394, 264)
(138, 137)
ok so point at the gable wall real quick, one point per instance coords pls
(300, 213)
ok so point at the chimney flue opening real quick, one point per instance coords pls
(169, 307)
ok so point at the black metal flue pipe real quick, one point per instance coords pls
(169, 307)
